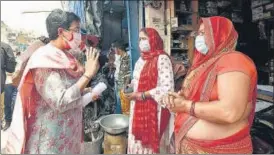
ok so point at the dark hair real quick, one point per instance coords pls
(144, 30)
(120, 45)
(59, 19)
(44, 39)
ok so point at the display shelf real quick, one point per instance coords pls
(206, 15)
(265, 97)
(236, 10)
(236, 21)
(263, 69)
(261, 4)
(268, 19)
(185, 12)
(262, 107)
(178, 49)
(183, 28)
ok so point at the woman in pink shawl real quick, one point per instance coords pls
(48, 110)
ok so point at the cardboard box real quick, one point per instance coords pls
(254, 17)
(258, 16)
(269, 14)
(256, 3)
(257, 10)
(266, 1)
(261, 15)
(174, 22)
(269, 6)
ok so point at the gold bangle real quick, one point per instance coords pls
(143, 96)
(192, 109)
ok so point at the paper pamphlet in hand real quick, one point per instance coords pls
(98, 89)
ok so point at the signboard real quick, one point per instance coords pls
(174, 22)
(155, 18)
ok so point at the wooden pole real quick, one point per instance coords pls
(191, 40)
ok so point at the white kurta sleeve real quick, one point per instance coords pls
(165, 79)
(52, 88)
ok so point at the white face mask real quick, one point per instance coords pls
(117, 60)
(117, 57)
(235, 45)
(117, 64)
(75, 52)
(75, 42)
(144, 46)
(200, 44)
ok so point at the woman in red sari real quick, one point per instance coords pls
(215, 107)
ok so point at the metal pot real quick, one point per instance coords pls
(114, 123)
(94, 147)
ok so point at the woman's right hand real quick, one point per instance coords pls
(92, 64)
(172, 100)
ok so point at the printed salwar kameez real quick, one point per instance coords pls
(165, 83)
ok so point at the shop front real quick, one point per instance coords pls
(175, 20)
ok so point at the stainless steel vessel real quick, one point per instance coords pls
(114, 123)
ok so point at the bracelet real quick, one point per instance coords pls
(87, 77)
(143, 96)
(192, 109)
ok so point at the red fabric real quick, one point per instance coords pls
(221, 38)
(219, 34)
(244, 64)
(238, 136)
(239, 143)
(93, 39)
(145, 121)
(241, 63)
(67, 46)
(165, 116)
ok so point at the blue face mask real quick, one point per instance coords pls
(200, 45)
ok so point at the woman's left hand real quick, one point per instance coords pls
(134, 96)
(174, 102)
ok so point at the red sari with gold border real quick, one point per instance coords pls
(200, 83)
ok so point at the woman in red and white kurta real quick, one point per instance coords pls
(150, 125)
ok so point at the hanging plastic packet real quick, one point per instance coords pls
(98, 89)
(261, 27)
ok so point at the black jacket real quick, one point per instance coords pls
(7, 62)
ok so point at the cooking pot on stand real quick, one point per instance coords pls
(115, 123)
(115, 137)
